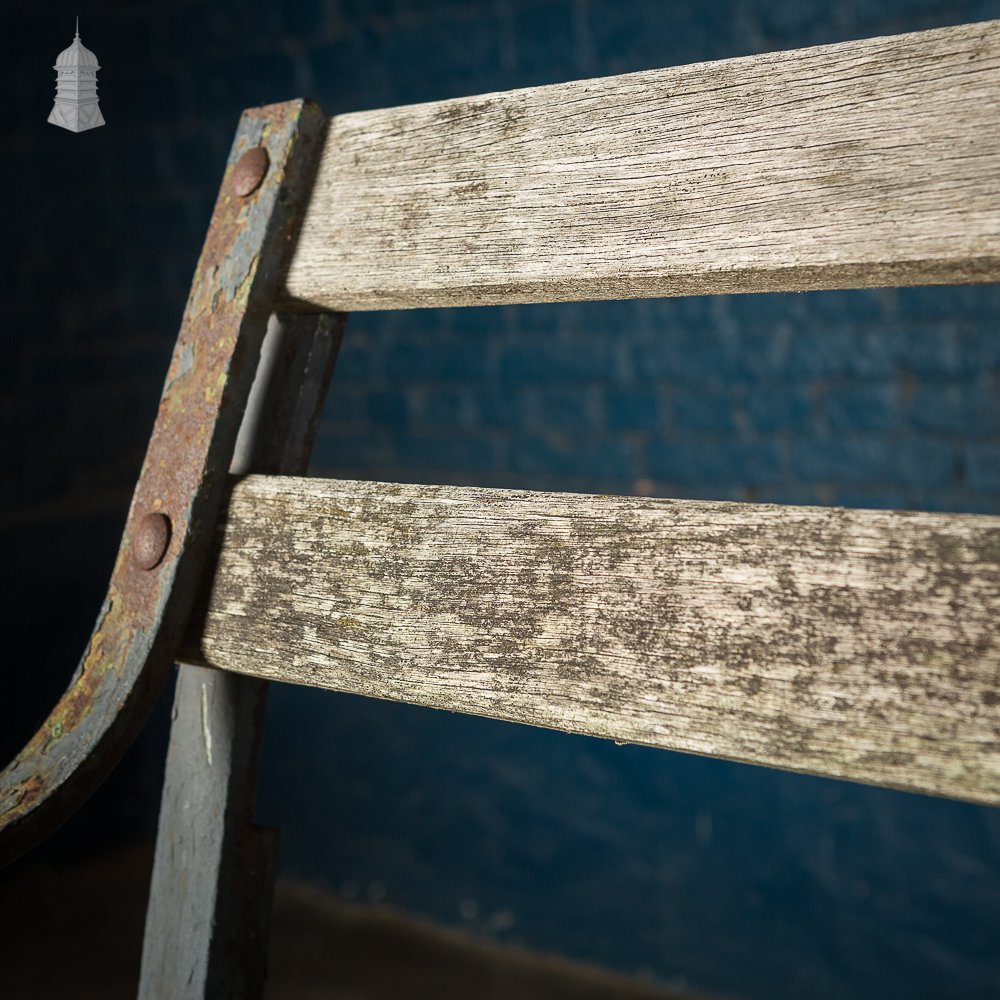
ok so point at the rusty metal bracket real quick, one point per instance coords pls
(180, 488)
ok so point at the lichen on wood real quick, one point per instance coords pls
(851, 643)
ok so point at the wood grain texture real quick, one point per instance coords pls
(866, 163)
(850, 643)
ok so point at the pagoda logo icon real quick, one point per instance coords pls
(76, 106)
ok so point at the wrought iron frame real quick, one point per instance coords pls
(164, 557)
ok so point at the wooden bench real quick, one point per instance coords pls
(855, 644)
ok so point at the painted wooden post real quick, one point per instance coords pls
(209, 907)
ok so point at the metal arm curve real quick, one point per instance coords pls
(170, 521)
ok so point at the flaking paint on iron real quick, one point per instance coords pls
(121, 641)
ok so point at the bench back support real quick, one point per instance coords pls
(855, 644)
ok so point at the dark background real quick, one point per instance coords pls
(690, 871)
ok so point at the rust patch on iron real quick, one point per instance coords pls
(133, 645)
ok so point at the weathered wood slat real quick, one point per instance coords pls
(866, 163)
(851, 643)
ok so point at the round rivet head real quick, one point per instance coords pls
(151, 540)
(250, 170)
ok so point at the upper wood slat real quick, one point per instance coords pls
(866, 163)
(849, 643)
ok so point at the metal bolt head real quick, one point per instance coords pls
(151, 540)
(250, 170)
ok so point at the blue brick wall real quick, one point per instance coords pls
(721, 877)
(849, 397)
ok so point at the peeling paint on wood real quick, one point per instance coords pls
(206, 729)
(849, 643)
(866, 163)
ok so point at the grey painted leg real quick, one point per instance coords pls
(213, 874)
(206, 927)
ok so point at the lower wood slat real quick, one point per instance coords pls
(855, 644)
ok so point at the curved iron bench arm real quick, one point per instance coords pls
(165, 543)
